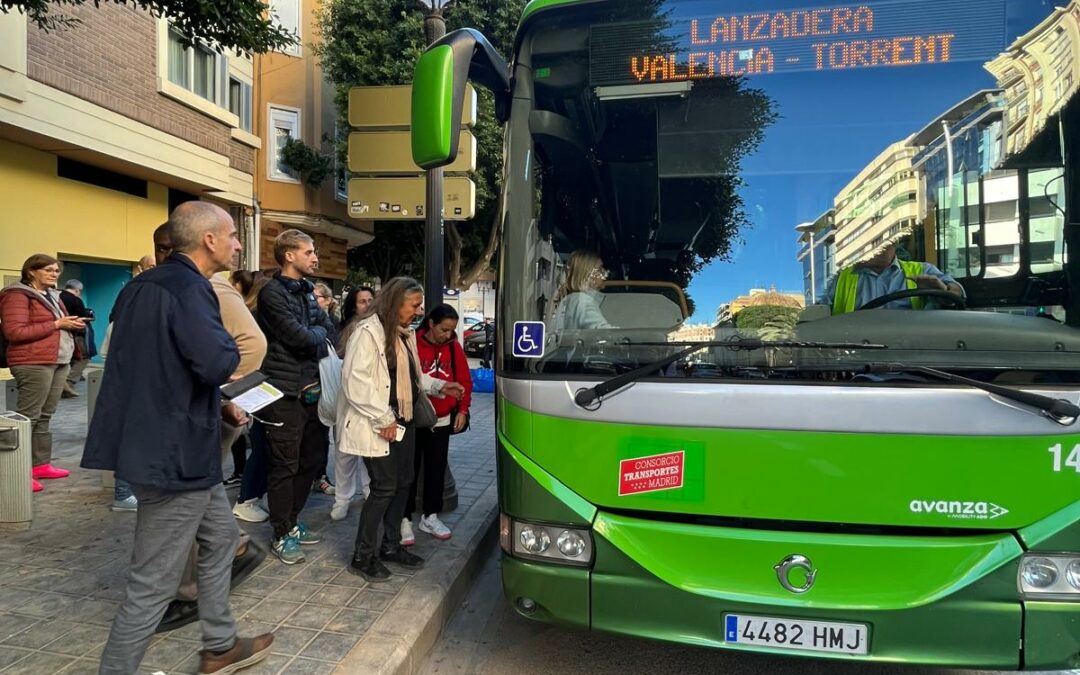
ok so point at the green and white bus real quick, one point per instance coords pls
(789, 357)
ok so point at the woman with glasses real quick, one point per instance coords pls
(578, 298)
(40, 345)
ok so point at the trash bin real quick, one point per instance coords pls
(15, 505)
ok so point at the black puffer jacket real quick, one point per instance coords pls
(296, 333)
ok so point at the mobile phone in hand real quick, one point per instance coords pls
(400, 433)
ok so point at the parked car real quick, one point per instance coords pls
(474, 343)
(472, 330)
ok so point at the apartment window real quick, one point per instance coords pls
(197, 69)
(287, 15)
(240, 102)
(284, 124)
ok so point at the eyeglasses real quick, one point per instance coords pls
(50, 270)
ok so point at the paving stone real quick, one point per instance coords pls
(333, 596)
(41, 634)
(330, 647)
(79, 641)
(10, 655)
(353, 621)
(38, 663)
(167, 654)
(290, 641)
(13, 624)
(272, 611)
(301, 666)
(311, 615)
(371, 599)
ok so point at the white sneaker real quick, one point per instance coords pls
(408, 538)
(250, 511)
(339, 511)
(435, 527)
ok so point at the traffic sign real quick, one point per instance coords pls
(390, 152)
(405, 198)
(390, 107)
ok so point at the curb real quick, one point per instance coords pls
(399, 641)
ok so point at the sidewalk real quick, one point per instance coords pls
(61, 581)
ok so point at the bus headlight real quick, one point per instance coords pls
(1050, 576)
(573, 546)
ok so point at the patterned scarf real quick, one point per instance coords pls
(405, 348)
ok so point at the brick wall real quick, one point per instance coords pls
(110, 59)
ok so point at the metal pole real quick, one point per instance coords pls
(434, 29)
(813, 281)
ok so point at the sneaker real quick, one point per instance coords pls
(250, 511)
(287, 549)
(246, 652)
(48, 472)
(371, 569)
(129, 504)
(403, 558)
(435, 527)
(339, 511)
(408, 537)
(304, 535)
(232, 480)
(36, 486)
(324, 486)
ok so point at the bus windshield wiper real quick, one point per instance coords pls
(1057, 409)
(588, 396)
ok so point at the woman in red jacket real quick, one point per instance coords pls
(40, 346)
(441, 357)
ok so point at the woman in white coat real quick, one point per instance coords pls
(381, 381)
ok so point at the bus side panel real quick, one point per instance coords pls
(520, 496)
(1051, 635)
(976, 627)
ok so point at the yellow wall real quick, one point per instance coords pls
(42, 213)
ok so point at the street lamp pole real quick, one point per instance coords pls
(434, 235)
(808, 228)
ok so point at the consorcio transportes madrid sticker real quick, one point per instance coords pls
(652, 474)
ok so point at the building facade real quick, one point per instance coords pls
(106, 126)
(294, 100)
(817, 254)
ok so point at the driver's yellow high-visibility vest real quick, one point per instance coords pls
(847, 287)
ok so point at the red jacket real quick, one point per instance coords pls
(436, 362)
(30, 328)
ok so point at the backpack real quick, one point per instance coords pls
(3, 350)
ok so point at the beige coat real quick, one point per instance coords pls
(363, 405)
(241, 325)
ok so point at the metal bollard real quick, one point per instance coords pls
(16, 509)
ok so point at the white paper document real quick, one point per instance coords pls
(255, 399)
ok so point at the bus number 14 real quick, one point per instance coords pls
(1073, 460)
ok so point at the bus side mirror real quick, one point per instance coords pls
(439, 88)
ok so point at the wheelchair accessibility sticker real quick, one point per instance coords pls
(529, 339)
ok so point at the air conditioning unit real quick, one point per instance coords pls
(15, 464)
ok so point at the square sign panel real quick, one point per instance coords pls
(529, 339)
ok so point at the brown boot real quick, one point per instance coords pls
(246, 652)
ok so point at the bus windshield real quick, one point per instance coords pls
(888, 172)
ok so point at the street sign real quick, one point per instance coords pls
(390, 152)
(405, 198)
(390, 107)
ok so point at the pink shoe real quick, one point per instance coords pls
(36, 486)
(48, 471)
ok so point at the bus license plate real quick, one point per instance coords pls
(796, 634)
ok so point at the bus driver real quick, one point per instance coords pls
(881, 275)
(578, 304)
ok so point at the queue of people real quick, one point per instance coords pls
(180, 331)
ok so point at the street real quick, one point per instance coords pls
(487, 637)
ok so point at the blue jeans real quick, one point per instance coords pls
(122, 490)
(253, 482)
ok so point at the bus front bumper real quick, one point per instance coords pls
(984, 624)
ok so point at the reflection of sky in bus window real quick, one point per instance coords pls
(831, 125)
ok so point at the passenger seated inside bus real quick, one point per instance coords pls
(577, 300)
(884, 274)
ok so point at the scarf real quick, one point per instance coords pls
(405, 349)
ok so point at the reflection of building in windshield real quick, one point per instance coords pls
(759, 297)
(954, 182)
(817, 253)
(701, 332)
(1040, 72)
(882, 201)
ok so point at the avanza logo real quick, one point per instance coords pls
(959, 510)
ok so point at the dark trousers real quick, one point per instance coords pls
(432, 448)
(391, 478)
(253, 481)
(297, 448)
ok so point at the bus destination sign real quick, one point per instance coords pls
(848, 37)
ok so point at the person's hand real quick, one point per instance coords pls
(453, 389)
(234, 415)
(70, 323)
(930, 282)
(459, 423)
(389, 433)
